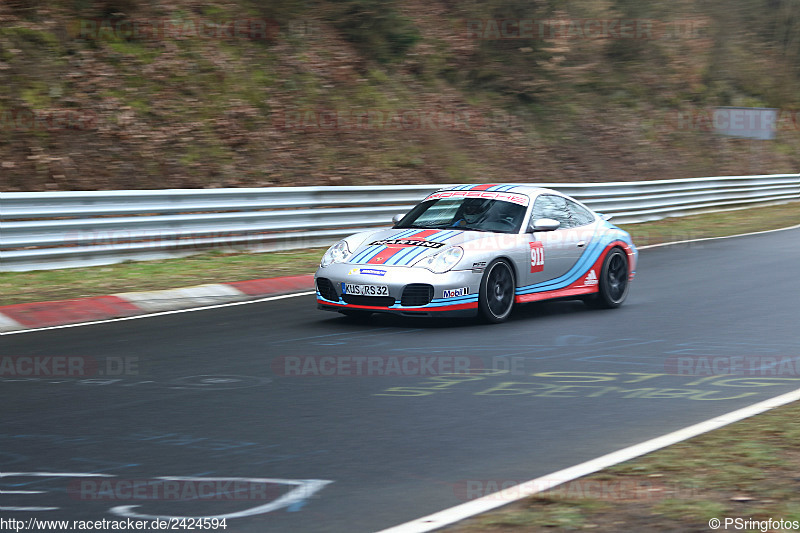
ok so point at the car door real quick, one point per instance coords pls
(554, 253)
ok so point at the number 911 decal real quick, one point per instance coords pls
(537, 257)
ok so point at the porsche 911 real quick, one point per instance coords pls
(479, 250)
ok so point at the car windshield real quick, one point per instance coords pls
(476, 214)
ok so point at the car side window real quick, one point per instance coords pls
(580, 215)
(550, 206)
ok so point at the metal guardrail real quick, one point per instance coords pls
(46, 230)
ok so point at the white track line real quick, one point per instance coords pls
(523, 490)
(271, 298)
(715, 238)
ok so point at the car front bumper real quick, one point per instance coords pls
(461, 301)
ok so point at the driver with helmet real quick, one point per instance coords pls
(472, 211)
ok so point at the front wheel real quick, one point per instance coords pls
(496, 295)
(613, 282)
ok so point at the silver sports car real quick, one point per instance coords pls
(478, 250)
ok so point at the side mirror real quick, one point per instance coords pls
(397, 218)
(605, 216)
(544, 224)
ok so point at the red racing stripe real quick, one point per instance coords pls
(44, 314)
(483, 187)
(393, 249)
(560, 293)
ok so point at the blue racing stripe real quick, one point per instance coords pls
(372, 254)
(562, 281)
(408, 259)
(395, 260)
(459, 300)
(449, 234)
(442, 236)
(360, 255)
(454, 301)
(406, 233)
(587, 259)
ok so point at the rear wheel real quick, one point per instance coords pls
(613, 282)
(496, 295)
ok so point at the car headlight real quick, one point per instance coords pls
(335, 254)
(443, 261)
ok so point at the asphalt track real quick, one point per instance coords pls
(204, 395)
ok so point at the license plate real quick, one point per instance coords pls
(365, 290)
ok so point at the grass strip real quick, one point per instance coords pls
(208, 267)
(747, 470)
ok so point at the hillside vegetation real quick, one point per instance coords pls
(126, 94)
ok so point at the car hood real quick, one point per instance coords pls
(405, 247)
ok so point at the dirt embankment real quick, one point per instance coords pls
(117, 94)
